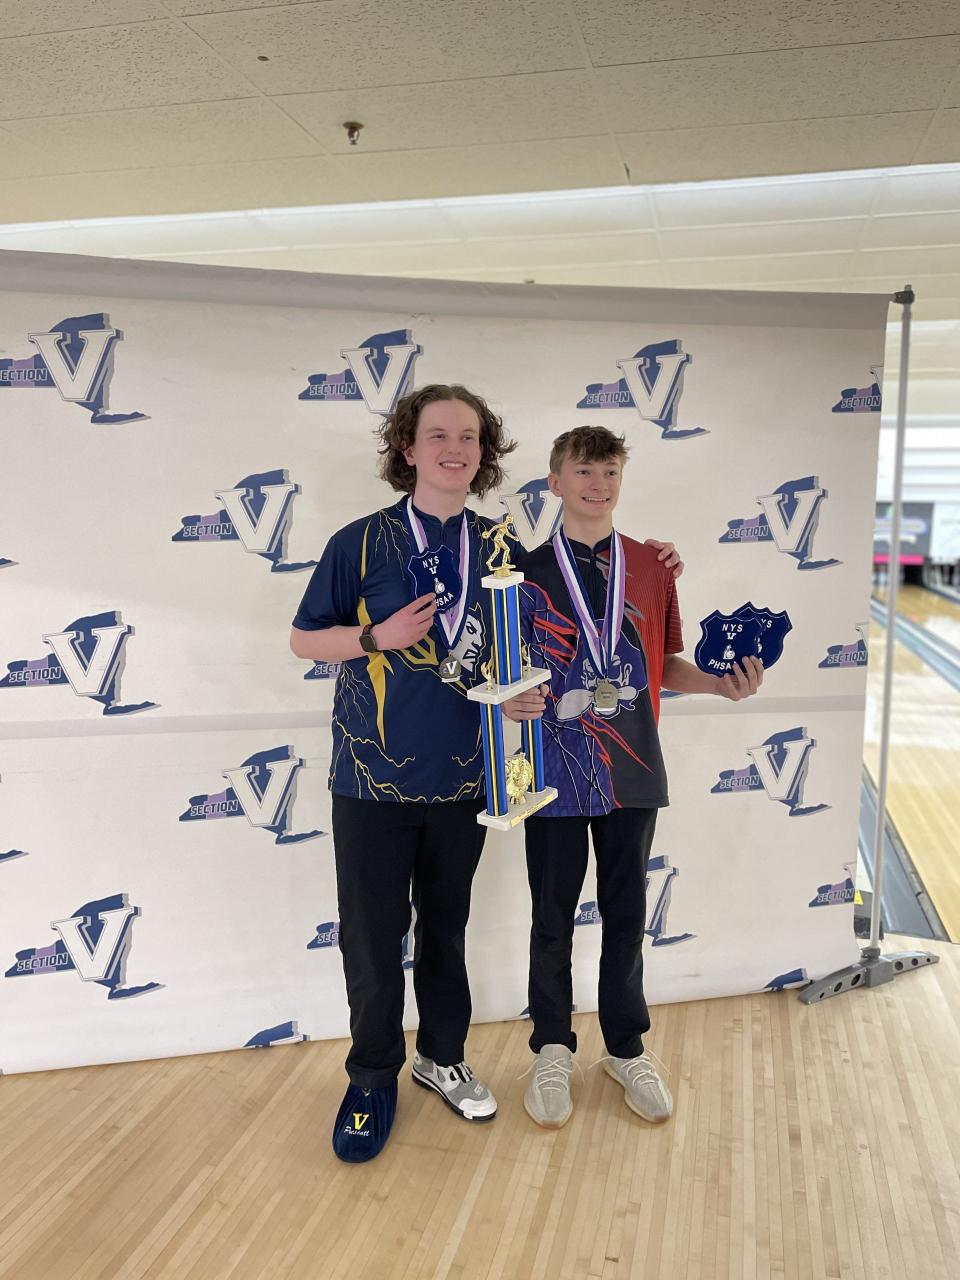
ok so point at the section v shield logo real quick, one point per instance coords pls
(727, 638)
(853, 654)
(789, 518)
(257, 512)
(652, 383)
(779, 767)
(283, 1033)
(94, 943)
(262, 789)
(74, 358)
(537, 513)
(660, 878)
(379, 371)
(89, 655)
(862, 399)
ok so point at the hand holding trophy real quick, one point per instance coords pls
(515, 787)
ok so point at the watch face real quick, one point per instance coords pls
(367, 642)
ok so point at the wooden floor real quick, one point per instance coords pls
(807, 1142)
(923, 797)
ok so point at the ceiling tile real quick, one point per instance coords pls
(942, 143)
(186, 8)
(454, 171)
(554, 104)
(906, 262)
(748, 273)
(898, 75)
(415, 223)
(566, 214)
(347, 44)
(786, 237)
(188, 189)
(919, 192)
(912, 230)
(195, 133)
(764, 200)
(109, 68)
(802, 146)
(37, 17)
(556, 251)
(622, 31)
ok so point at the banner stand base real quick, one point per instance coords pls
(873, 970)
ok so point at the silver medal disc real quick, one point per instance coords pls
(605, 696)
(450, 670)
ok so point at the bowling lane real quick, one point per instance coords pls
(940, 616)
(923, 795)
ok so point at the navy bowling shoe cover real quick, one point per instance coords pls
(364, 1122)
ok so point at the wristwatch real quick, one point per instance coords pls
(368, 641)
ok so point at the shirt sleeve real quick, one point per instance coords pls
(333, 592)
(672, 629)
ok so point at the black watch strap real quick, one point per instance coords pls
(368, 641)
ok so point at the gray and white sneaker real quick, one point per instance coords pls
(457, 1086)
(547, 1100)
(644, 1091)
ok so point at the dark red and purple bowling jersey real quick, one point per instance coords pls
(606, 759)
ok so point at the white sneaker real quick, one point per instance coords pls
(644, 1091)
(547, 1100)
(457, 1086)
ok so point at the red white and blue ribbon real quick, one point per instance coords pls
(453, 617)
(602, 644)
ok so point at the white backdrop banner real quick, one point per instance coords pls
(179, 442)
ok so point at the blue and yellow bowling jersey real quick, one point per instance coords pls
(399, 732)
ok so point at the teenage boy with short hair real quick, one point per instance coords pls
(601, 614)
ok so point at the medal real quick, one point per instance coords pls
(450, 670)
(601, 644)
(435, 569)
(606, 695)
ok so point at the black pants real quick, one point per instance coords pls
(386, 854)
(557, 854)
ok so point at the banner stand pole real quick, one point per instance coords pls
(874, 969)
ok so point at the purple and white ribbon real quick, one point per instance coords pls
(602, 644)
(454, 617)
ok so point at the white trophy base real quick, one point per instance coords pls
(517, 812)
(498, 693)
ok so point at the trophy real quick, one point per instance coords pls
(514, 785)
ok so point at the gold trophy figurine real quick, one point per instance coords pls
(500, 533)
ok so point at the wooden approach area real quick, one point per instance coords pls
(807, 1142)
(923, 796)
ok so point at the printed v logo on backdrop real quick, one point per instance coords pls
(76, 381)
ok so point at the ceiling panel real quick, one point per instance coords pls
(749, 273)
(345, 44)
(154, 63)
(567, 213)
(195, 133)
(620, 31)
(518, 108)
(925, 230)
(919, 191)
(778, 201)
(141, 192)
(863, 79)
(942, 144)
(838, 234)
(452, 171)
(799, 146)
(19, 18)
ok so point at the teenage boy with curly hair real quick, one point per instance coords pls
(396, 598)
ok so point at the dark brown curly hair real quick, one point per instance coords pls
(398, 431)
